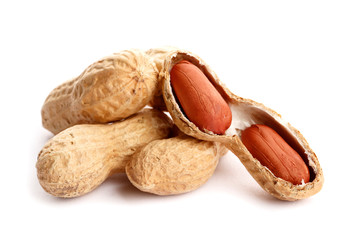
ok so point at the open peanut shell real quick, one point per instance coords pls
(245, 112)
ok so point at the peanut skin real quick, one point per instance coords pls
(274, 153)
(174, 166)
(80, 158)
(108, 90)
(202, 103)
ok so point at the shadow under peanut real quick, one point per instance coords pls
(128, 192)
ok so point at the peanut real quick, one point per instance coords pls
(80, 158)
(173, 166)
(199, 99)
(108, 90)
(301, 181)
(273, 152)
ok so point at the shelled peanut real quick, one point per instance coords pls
(201, 106)
(273, 152)
(199, 99)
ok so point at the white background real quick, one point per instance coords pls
(300, 58)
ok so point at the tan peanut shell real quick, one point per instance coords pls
(245, 112)
(80, 158)
(157, 55)
(108, 90)
(174, 165)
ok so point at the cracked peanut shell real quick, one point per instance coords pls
(245, 112)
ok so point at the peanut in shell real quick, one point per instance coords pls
(175, 165)
(80, 158)
(245, 112)
(110, 89)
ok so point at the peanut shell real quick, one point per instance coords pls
(157, 55)
(111, 89)
(175, 165)
(245, 113)
(80, 158)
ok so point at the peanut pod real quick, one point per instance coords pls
(174, 166)
(80, 158)
(245, 113)
(108, 90)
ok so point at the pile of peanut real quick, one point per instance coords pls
(112, 119)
